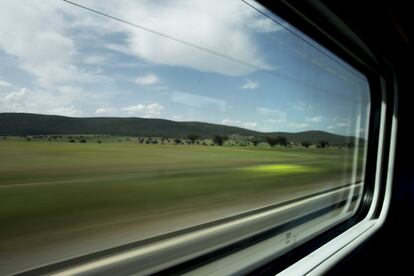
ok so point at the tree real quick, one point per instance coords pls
(272, 141)
(276, 140)
(255, 141)
(219, 139)
(282, 141)
(324, 144)
(193, 138)
(306, 144)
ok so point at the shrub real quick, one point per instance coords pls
(219, 139)
(255, 141)
(71, 141)
(276, 140)
(83, 141)
(323, 144)
(193, 137)
(306, 144)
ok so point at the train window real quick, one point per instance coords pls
(148, 136)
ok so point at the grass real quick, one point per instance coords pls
(283, 169)
(46, 186)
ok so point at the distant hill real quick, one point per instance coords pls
(36, 124)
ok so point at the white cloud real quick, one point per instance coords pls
(230, 122)
(249, 124)
(95, 60)
(274, 116)
(249, 84)
(177, 117)
(344, 129)
(37, 43)
(105, 110)
(146, 110)
(147, 79)
(303, 106)
(316, 119)
(267, 111)
(42, 41)
(62, 99)
(4, 84)
(276, 121)
(265, 25)
(198, 101)
(70, 111)
(228, 30)
(15, 95)
(299, 125)
(14, 101)
(239, 123)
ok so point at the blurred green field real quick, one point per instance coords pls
(50, 185)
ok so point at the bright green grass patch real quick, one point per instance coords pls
(283, 169)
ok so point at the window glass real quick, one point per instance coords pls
(124, 120)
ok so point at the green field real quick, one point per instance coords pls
(52, 185)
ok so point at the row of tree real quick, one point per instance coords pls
(218, 140)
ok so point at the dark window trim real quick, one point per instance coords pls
(321, 30)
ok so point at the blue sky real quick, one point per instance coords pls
(59, 59)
